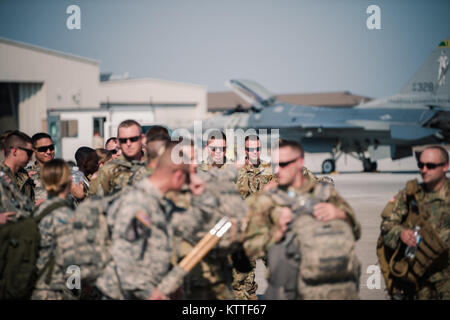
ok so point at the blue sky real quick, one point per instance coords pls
(289, 46)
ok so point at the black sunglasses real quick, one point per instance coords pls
(28, 151)
(132, 139)
(285, 164)
(429, 165)
(50, 147)
(252, 149)
(213, 149)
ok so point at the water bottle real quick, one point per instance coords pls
(410, 252)
(77, 175)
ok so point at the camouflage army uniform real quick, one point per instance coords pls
(244, 286)
(251, 179)
(34, 173)
(142, 240)
(212, 278)
(115, 175)
(265, 211)
(11, 199)
(436, 205)
(311, 176)
(52, 283)
(21, 180)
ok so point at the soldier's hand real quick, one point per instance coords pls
(271, 185)
(39, 202)
(327, 211)
(6, 216)
(31, 173)
(408, 237)
(158, 295)
(197, 185)
(284, 219)
(77, 190)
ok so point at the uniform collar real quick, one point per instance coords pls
(149, 188)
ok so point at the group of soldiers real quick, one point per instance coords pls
(163, 203)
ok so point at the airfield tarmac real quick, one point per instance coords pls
(367, 193)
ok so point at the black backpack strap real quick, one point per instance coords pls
(50, 208)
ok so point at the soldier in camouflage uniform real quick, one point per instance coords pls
(433, 200)
(269, 217)
(252, 178)
(51, 284)
(142, 236)
(44, 151)
(117, 174)
(18, 152)
(155, 148)
(13, 204)
(255, 173)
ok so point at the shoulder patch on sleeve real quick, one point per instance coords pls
(143, 218)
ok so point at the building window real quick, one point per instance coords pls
(69, 128)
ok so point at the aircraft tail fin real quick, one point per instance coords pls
(433, 77)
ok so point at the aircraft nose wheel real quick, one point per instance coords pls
(328, 166)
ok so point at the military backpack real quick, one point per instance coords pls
(19, 250)
(87, 242)
(320, 255)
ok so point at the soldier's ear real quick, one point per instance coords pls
(143, 139)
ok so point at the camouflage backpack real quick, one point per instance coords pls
(329, 268)
(86, 241)
(320, 255)
(19, 249)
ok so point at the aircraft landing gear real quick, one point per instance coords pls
(328, 166)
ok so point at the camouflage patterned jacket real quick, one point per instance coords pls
(21, 180)
(252, 179)
(11, 199)
(115, 175)
(52, 224)
(34, 172)
(435, 204)
(207, 165)
(142, 241)
(265, 208)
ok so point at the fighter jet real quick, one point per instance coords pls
(419, 114)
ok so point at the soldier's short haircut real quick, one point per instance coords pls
(215, 134)
(83, 154)
(16, 139)
(154, 148)
(292, 144)
(156, 131)
(110, 139)
(38, 136)
(129, 123)
(252, 137)
(166, 160)
(3, 137)
(444, 153)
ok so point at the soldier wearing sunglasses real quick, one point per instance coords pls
(44, 151)
(431, 200)
(18, 152)
(270, 217)
(216, 148)
(255, 174)
(118, 173)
